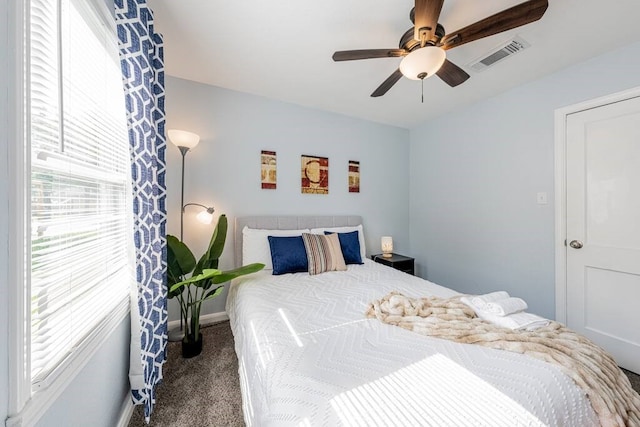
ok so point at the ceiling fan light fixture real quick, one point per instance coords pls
(427, 60)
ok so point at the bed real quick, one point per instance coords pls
(309, 357)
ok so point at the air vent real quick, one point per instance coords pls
(505, 50)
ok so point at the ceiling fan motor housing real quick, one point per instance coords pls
(410, 44)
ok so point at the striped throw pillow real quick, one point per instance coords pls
(323, 253)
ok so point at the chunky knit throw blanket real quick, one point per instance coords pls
(594, 370)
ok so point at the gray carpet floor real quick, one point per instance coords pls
(205, 391)
(201, 391)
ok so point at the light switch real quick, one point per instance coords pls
(542, 198)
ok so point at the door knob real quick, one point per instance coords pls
(575, 244)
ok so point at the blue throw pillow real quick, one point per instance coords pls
(288, 254)
(350, 246)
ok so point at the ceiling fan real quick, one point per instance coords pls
(423, 46)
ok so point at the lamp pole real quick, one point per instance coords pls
(183, 151)
(177, 334)
(184, 141)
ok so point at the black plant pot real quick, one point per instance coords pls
(191, 347)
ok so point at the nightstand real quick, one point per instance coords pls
(399, 262)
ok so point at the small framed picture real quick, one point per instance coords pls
(354, 176)
(314, 175)
(268, 170)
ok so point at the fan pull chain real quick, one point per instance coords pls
(422, 76)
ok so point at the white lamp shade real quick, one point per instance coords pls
(387, 244)
(205, 217)
(182, 138)
(428, 60)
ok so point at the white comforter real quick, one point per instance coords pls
(308, 357)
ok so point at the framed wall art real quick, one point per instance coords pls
(354, 176)
(314, 174)
(268, 170)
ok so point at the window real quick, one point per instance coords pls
(79, 240)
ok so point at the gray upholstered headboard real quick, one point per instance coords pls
(287, 223)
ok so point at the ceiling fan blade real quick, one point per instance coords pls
(387, 84)
(426, 14)
(514, 17)
(350, 55)
(451, 74)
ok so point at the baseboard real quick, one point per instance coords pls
(206, 319)
(126, 411)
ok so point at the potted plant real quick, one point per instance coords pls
(193, 283)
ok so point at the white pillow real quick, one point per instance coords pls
(255, 245)
(349, 229)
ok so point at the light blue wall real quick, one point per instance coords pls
(95, 396)
(475, 224)
(224, 169)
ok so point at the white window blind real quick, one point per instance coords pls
(81, 237)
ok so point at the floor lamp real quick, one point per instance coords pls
(185, 141)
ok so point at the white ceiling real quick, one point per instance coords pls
(281, 49)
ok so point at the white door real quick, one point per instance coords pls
(603, 228)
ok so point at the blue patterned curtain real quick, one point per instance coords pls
(141, 57)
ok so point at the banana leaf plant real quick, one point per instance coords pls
(193, 283)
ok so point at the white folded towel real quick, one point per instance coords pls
(481, 301)
(521, 321)
(518, 321)
(506, 306)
